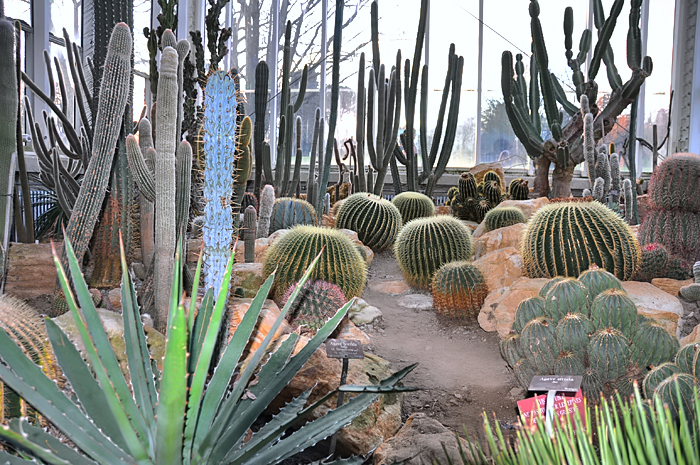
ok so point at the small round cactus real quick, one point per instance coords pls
(502, 217)
(527, 310)
(413, 205)
(613, 309)
(657, 376)
(566, 296)
(375, 220)
(608, 351)
(653, 345)
(459, 290)
(288, 212)
(425, 244)
(493, 176)
(467, 186)
(315, 304)
(340, 262)
(669, 390)
(686, 355)
(518, 189)
(598, 280)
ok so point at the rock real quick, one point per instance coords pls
(443, 210)
(472, 225)
(498, 239)
(416, 302)
(362, 313)
(672, 286)
(376, 424)
(347, 330)
(139, 270)
(501, 268)
(528, 207)
(115, 298)
(390, 287)
(654, 303)
(237, 308)
(194, 246)
(420, 441)
(482, 168)
(498, 311)
(31, 271)
(328, 221)
(692, 337)
(113, 324)
(248, 276)
(643, 205)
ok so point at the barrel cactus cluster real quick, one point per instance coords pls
(425, 244)
(340, 262)
(674, 197)
(459, 290)
(673, 382)
(502, 217)
(375, 220)
(471, 201)
(413, 205)
(566, 238)
(586, 327)
(315, 304)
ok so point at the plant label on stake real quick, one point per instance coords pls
(554, 405)
(345, 349)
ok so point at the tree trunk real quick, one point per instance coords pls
(561, 181)
(542, 176)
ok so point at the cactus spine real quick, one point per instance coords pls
(267, 201)
(249, 220)
(114, 92)
(219, 146)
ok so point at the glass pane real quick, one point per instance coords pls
(66, 14)
(142, 19)
(19, 9)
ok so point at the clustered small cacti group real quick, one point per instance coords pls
(471, 201)
(587, 327)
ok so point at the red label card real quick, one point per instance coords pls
(568, 403)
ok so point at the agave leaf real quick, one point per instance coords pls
(193, 301)
(8, 459)
(24, 444)
(170, 416)
(103, 359)
(204, 355)
(376, 389)
(245, 417)
(89, 393)
(347, 461)
(218, 385)
(29, 381)
(199, 328)
(39, 436)
(136, 348)
(323, 427)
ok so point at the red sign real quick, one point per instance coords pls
(567, 403)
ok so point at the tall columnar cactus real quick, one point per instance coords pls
(249, 223)
(340, 262)
(147, 205)
(594, 235)
(459, 290)
(375, 220)
(267, 201)
(243, 168)
(315, 304)
(219, 146)
(262, 76)
(522, 105)
(674, 218)
(8, 130)
(502, 217)
(425, 244)
(114, 92)
(288, 212)
(413, 205)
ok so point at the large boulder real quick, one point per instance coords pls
(113, 324)
(528, 207)
(390, 287)
(501, 268)
(656, 304)
(498, 239)
(693, 337)
(498, 311)
(31, 271)
(672, 286)
(420, 441)
(375, 425)
(249, 277)
(482, 168)
(362, 313)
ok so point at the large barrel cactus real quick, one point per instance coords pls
(340, 262)
(413, 205)
(565, 239)
(375, 220)
(674, 218)
(459, 290)
(288, 212)
(604, 340)
(425, 244)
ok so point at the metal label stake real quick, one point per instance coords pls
(553, 384)
(345, 349)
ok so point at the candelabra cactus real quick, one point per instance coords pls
(459, 290)
(413, 205)
(502, 217)
(595, 235)
(425, 244)
(315, 304)
(375, 220)
(242, 169)
(674, 218)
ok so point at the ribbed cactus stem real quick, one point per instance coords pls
(627, 193)
(327, 204)
(603, 169)
(183, 49)
(615, 178)
(249, 219)
(267, 201)
(183, 170)
(147, 206)
(599, 190)
(696, 272)
(8, 125)
(166, 228)
(114, 92)
(219, 146)
(589, 144)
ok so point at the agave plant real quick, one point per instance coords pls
(192, 412)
